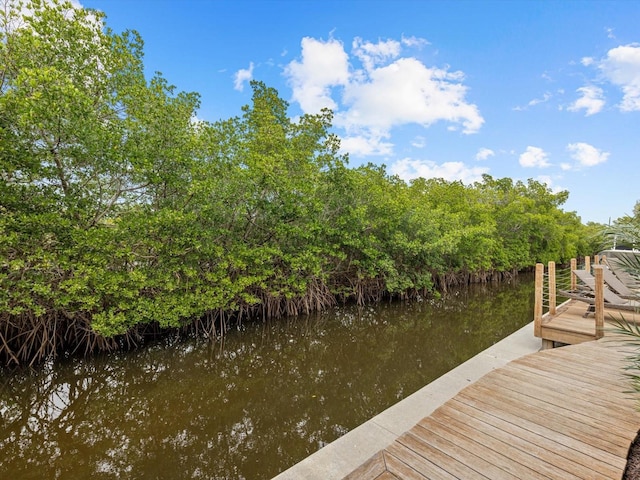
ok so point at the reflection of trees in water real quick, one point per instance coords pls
(248, 407)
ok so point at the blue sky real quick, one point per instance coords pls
(548, 90)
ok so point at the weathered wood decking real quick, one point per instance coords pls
(569, 324)
(563, 413)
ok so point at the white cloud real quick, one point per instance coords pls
(548, 181)
(388, 91)
(586, 61)
(323, 65)
(419, 142)
(372, 54)
(587, 155)
(242, 76)
(484, 153)
(536, 101)
(406, 91)
(622, 68)
(591, 100)
(545, 98)
(408, 169)
(414, 41)
(359, 145)
(534, 157)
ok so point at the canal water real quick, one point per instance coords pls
(247, 407)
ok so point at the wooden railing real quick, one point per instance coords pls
(546, 293)
(599, 297)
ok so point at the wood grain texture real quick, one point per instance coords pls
(564, 413)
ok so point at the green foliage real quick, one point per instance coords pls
(119, 210)
(628, 232)
(624, 233)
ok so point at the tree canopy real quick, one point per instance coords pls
(121, 211)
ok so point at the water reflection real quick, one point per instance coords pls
(250, 406)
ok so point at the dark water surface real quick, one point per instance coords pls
(248, 407)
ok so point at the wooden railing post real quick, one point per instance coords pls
(552, 288)
(596, 259)
(599, 294)
(574, 280)
(537, 308)
(587, 264)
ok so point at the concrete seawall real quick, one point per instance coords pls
(345, 454)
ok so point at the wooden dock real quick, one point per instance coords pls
(568, 325)
(562, 413)
(571, 322)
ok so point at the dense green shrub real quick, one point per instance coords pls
(119, 211)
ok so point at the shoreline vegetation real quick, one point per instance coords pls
(123, 215)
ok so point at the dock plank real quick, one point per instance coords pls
(579, 407)
(520, 462)
(480, 457)
(417, 462)
(552, 449)
(555, 390)
(564, 417)
(371, 469)
(549, 434)
(400, 469)
(564, 413)
(436, 450)
(547, 418)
